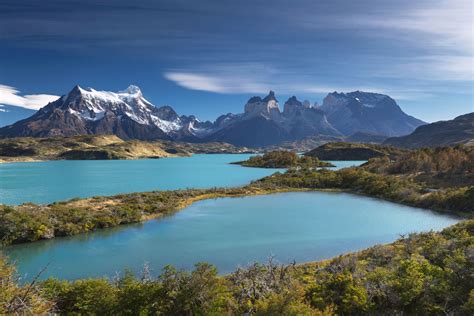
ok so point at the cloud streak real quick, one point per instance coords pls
(256, 78)
(11, 96)
(420, 51)
(449, 23)
(442, 30)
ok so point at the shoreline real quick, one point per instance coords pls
(4, 161)
(235, 192)
(30, 159)
(31, 222)
(311, 264)
(103, 147)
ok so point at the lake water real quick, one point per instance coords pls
(45, 182)
(228, 232)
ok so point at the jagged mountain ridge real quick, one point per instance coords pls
(126, 114)
(263, 124)
(129, 115)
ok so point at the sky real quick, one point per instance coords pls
(208, 57)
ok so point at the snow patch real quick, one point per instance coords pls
(166, 126)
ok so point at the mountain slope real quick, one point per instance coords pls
(369, 113)
(303, 120)
(259, 125)
(10, 114)
(443, 133)
(253, 132)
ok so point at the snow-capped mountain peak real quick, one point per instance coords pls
(125, 109)
(132, 89)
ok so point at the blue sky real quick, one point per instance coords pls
(208, 57)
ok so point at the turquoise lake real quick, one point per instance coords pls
(227, 232)
(45, 182)
(231, 232)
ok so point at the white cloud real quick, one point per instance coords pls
(196, 81)
(259, 79)
(11, 96)
(444, 28)
(226, 78)
(436, 36)
(432, 68)
(448, 23)
(215, 83)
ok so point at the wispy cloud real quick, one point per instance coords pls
(432, 68)
(258, 78)
(245, 78)
(421, 51)
(226, 78)
(443, 32)
(11, 96)
(448, 23)
(415, 49)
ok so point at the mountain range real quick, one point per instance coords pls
(129, 115)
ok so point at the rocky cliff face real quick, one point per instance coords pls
(301, 120)
(367, 112)
(266, 107)
(263, 123)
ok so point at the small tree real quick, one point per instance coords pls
(20, 300)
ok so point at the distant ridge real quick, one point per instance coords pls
(443, 133)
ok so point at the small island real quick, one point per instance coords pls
(354, 151)
(283, 159)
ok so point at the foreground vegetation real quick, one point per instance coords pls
(283, 159)
(92, 147)
(434, 167)
(421, 274)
